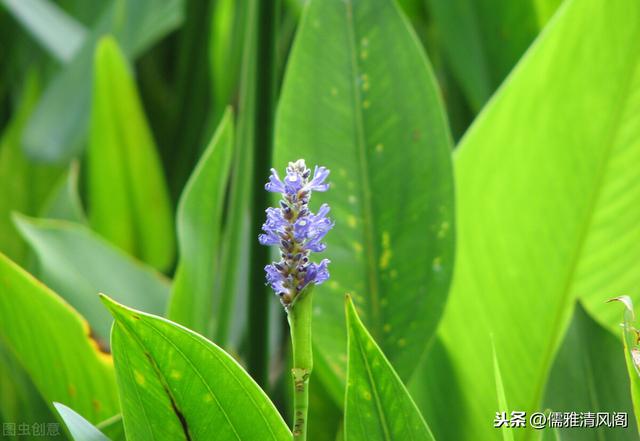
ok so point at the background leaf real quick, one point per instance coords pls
(362, 118)
(483, 39)
(199, 222)
(377, 405)
(23, 185)
(78, 264)
(588, 375)
(53, 344)
(60, 33)
(175, 384)
(129, 200)
(55, 136)
(532, 236)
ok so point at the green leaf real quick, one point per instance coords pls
(589, 375)
(238, 237)
(130, 203)
(54, 29)
(435, 389)
(64, 201)
(80, 429)
(483, 39)
(19, 398)
(377, 405)
(53, 344)
(24, 185)
(174, 384)
(199, 223)
(378, 125)
(55, 136)
(533, 237)
(78, 264)
(507, 432)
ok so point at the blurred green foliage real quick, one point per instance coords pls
(485, 171)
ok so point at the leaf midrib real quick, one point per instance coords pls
(381, 416)
(367, 206)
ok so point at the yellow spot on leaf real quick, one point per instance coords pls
(444, 228)
(138, 377)
(357, 246)
(176, 375)
(437, 264)
(72, 390)
(379, 148)
(402, 342)
(366, 104)
(385, 257)
(364, 54)
(351, 221)
(208, 398)
(386, 327)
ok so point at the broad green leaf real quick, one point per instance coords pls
(20, 401)
(57, 136)
(53, 344)
(130, 204)
(24, 185)
(483, 39)
(80, 429)
(436, 390)
(377, 405)
(507, 432)
(374, 118)
(589, 375)
(78, 264)
(58, 32)
(174, 384)
(532, 236)
(199, 224)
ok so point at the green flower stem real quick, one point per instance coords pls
(300, 326)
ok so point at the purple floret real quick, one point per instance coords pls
(296, 230)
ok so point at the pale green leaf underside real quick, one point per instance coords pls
(174, 382)
(377, 404)
(373, 105)
(531, 236)
(78, 264)
(57, 136)
(58, 32)
(80, 429)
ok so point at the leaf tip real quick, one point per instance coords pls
(626, 301)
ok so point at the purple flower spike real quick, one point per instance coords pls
(296, 231)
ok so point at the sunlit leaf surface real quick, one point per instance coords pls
(374, 118)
